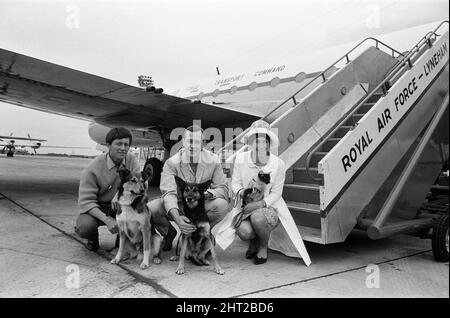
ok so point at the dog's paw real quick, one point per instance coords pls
(220, 271)
(157, 260)
(174, 258)
(115, 260)
(180, 270)
(144, 265)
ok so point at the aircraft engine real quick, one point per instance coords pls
(36, 145)
(98, 133)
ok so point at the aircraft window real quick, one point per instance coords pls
(275, 81)
(300, 77)
(216, 93)
(252, 86)
(233, 89)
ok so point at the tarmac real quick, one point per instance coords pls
(41, 256)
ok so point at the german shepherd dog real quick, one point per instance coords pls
(195, 246)
(133, 221)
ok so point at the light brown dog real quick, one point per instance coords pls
(134, 222)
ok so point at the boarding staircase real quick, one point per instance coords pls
(349, 141)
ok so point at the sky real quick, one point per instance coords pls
(180, 43)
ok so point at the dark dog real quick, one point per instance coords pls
(255, 192)
(133, 220)
(196, 245)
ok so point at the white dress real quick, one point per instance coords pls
(285, 238)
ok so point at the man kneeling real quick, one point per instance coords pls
(193, 164)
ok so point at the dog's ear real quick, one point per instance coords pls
(264, 177)
(181, 184)
(204, 186)
(124, 174)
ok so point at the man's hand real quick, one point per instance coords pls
(112, 225)
(250, 207)
(115, 206)
(185, 225)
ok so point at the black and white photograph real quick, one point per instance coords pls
(239, 152)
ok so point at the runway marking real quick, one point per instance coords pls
(328, 275)
(140, 278)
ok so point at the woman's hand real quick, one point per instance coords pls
(250, 207)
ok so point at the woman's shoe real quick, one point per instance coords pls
(259, 260)
(252, 249)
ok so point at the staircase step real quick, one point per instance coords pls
(365, 108)
(316, 157)
(329, 144)
(376, 96)
(310, 234)
(358, 117)
(305, 214)
(302, 192)
(354, 119)
(342, 131)
(301, 175)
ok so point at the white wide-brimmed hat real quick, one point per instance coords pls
(262, 127)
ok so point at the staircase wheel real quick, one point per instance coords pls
(153, 169)
(439, 239)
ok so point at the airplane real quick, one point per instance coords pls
(9, 144)
(225, 101)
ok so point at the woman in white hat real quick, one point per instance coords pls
(259, 222)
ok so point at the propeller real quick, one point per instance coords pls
(34, 147)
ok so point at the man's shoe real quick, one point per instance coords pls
(168, 240)
(92, 245)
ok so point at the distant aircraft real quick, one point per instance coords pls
(226, 101)
(9, 144)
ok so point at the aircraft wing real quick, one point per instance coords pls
(50, 146)
(17, 146)
(31, 146)
(19, 138)
(40, 85)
